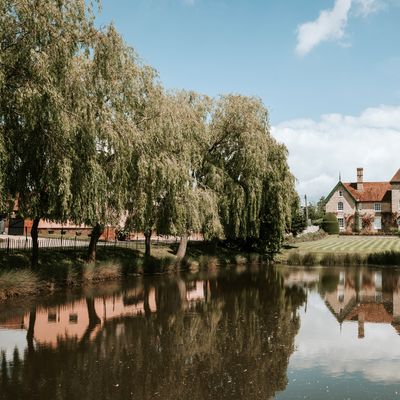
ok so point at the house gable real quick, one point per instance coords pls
(338, 186)
(396, 177)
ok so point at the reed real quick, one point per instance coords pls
(294, 258)
(390, 258)
(14, 283)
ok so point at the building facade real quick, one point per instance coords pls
(366, 206)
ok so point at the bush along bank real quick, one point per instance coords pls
(386, 258)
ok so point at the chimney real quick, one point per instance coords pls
(361, 319)
(360, 179)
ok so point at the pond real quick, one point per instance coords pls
(243, 333)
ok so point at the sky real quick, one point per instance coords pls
(327, 70)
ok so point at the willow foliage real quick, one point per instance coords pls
(166, 195)
(88, 134)
(40, 40)
(113, 93)
(249, 171)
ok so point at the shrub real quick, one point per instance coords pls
(294, 258)
(329, 260)
(330, 224)
(307, 237)
(15, 283)
(391, 258)
(332, 259)
(309, 259)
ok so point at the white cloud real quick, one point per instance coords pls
(366, 7)
(319, 150)
(331, 24)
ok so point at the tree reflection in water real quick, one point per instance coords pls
(235, 342)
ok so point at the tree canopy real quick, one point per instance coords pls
(249, 171)
(89, 135)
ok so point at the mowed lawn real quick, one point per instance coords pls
(350, 244)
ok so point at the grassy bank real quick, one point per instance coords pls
(67, 268)
(386, 258)
(344, 250)
(349, 244)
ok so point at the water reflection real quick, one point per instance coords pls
(254, 333)
(227, 336)
(365, 296)
(348, 344)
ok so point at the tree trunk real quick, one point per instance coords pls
(31, 330)
(92, 314)
(94, 320)
(147, 242)
(35, 243)
(182, 246)
(146, 303)
(94, 238)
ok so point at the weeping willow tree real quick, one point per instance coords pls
(114, 94)
(248, 169)
(3, 154)
(3, 165)
(40, 40)
(191, 206)
(166, 195)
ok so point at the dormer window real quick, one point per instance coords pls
(340, 206)
(377, 207)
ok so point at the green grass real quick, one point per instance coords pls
(344, 250)
(348, 244)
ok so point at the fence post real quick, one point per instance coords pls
(61, 241)
(75, 244)
(8, 245)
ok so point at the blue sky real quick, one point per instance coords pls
(305, 59)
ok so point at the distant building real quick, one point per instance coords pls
(366, 206)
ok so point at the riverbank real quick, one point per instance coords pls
(67, 268)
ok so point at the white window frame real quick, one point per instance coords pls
(338, 206)
(341, 223)
(377, 207)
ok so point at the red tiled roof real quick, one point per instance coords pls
(396, 326)
(372, 313)
(373, 191)
(396, 178)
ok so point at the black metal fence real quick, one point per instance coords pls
(10, 245)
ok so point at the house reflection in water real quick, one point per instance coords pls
(366, 297)
(74, 320)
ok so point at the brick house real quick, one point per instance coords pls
(366, 206)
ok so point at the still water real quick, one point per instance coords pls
(248, 333)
